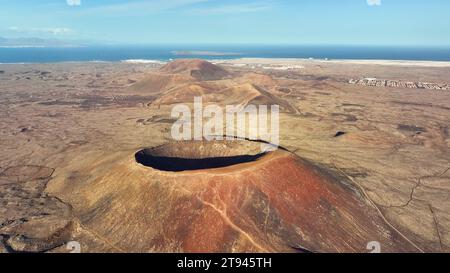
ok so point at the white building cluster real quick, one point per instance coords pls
(399, 84)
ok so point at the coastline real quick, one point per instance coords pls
(264, 61)
(297, 61)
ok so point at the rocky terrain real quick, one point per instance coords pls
(357, 163)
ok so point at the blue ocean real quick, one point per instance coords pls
(168, 52)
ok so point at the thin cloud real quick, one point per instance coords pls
(73, 2)
(237, 8)
(142, 7)
(374, 2)
(53, 30)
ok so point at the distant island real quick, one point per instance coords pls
(203, 53)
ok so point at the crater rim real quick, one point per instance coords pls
(202, 155)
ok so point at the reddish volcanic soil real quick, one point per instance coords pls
(222, 94)
(198, 69)
(155, 83)
(278, 202)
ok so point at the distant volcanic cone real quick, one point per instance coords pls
(178, 73)
(198, 69)
(155, 83)
(213, 92)
(223, 196)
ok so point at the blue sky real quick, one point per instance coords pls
(350, 22)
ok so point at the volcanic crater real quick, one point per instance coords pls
(198, 155)
(224, 196)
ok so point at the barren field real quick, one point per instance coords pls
(359, 163)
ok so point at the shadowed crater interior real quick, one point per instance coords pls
(199, 155)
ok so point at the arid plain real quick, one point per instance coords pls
(366, 158)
